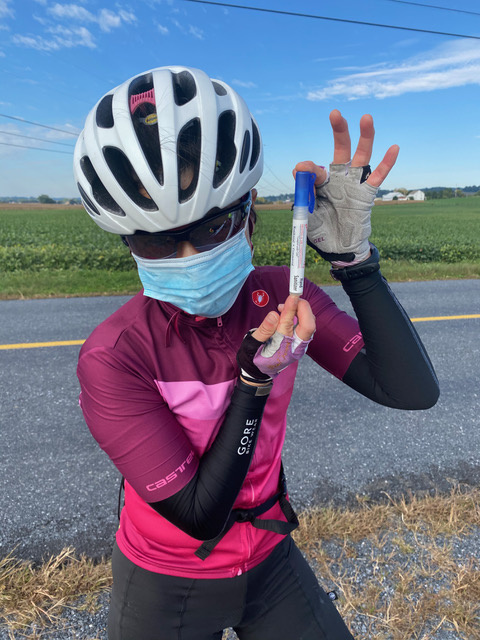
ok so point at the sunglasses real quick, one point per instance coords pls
(204, 234)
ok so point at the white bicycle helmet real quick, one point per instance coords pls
(163, 149)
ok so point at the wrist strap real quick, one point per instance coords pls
(254, 390)
(370, 265)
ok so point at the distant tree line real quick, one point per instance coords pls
(445, 192)
(283, 197)
(43, 199)
(431, 193)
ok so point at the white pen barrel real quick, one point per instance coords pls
(299, 247)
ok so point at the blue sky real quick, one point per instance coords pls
(57, 59)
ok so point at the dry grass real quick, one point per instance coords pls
(403, 570)
(400, 567)
(386, 595)
(34, 597)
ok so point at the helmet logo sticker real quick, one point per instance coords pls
(152, 118)
(260, 298)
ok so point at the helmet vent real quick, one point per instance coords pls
(87, 203)
(100, 194)
(255, 146)
(245, 151)
(226, 149)
(189, 146)
(141, 98)
(124, 173)
(219, 89)
(142, 84)
(104, 113)
(184, 87)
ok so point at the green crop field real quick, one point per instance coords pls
(60, 251)
(435, 231)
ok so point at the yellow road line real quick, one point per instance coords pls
(36, 345)
(435, 318)
(67, 343)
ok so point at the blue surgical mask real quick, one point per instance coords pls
(205, 284)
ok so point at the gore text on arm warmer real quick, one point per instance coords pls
(395, 369)
(201, 508)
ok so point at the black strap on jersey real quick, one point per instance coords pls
(251, 515)
(121, 492)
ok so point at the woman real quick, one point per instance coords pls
(186, 386)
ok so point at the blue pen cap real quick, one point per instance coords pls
(304, 191)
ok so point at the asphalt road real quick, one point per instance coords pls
(57, 488)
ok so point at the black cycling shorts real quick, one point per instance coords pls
(280, 599)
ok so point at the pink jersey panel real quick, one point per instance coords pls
(155, 387)
(196, 398)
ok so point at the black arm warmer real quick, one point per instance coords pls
(395, 369)
(202, 507)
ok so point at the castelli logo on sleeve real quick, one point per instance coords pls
(353, 341)
(260, 298)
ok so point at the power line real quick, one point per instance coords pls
(309, 15)
(264, 181)
(23, 146)
(37, 124)
(434, 6)
(284, 186)
(19, 135)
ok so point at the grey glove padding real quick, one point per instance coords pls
(339, 227)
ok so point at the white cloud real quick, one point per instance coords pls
(106, 18)
(127, 16)
(195, 31)
(77, 37)
(188, 30)
(71, 11)
(66, 35)
(407, 42)
(60, 135)
(244, 84)
(41, 20)
(32, 42)
(13, 138)
(261, 112)
(330, 58)
(163, 30)
(61, 38)
(5, 10)
(455, 64)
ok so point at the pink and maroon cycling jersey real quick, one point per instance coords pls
(155, 386)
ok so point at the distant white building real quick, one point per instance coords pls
(416, 195)
(397, 195)
(394, 195)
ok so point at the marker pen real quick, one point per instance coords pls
(302, 206)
